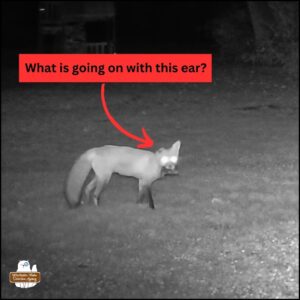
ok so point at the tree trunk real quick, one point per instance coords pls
(263, 22)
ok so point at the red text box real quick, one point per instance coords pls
(115, 68)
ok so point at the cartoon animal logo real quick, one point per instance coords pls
(24, 266)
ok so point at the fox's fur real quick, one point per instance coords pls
(144, 165)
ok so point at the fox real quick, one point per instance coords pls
(102, 162)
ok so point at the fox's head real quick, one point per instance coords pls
(168, 158)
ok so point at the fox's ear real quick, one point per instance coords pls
(176, 146)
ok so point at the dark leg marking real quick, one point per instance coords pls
(151, 202)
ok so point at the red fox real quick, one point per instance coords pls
(144, 165)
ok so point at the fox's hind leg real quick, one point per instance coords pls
(100, 183)
(91, 186)
(97, 191)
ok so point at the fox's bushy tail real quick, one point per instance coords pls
(76, 180)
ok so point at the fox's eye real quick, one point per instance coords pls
(164, 160)
(174, 159)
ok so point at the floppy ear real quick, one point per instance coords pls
(176, 147)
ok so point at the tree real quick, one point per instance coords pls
(276, 31)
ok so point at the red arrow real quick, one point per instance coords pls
(146, 141)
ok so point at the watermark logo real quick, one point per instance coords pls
(25, 277)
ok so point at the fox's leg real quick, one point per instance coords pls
(145, 191)
(141, 196)
(90, 187)
(100, 182)
(97, 191)
(149, 193)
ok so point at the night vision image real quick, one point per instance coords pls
(164, 189)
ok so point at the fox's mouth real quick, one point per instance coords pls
(170, 170)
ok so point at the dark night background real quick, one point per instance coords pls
(155, 24)
(141, 26)
(234, 31)
(227, 226)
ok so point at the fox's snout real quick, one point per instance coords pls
(170, 166)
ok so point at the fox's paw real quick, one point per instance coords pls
(96, 201)
(142, 205)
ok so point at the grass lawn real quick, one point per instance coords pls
(227, 226)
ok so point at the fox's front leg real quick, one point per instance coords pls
(145, 191)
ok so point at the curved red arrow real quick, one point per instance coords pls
(146, 141)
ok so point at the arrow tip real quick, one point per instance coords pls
(147, 141)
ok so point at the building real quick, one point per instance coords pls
(76, 27)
